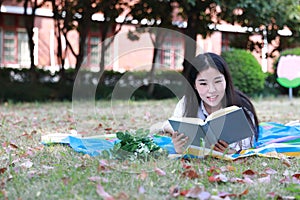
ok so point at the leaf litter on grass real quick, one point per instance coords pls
(29, 166)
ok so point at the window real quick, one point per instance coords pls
(23, 49)
(13, 41)
(225, 41)
(94, 52)
(1, 46)
(9, 46)
(171, 54)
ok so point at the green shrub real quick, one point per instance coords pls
(16, 85)
(246, 72)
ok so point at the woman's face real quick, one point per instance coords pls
(210, 85)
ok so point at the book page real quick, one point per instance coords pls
(203, 152)
(189, 120)
(222, 112)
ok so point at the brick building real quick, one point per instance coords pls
(123, 54)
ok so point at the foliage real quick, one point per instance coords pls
(136, 145)
(246, 72)
(77, 15)
(15, 84)
(272, 15)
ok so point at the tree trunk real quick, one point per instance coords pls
(29, 24)
(103, 47)
(152, 72)
(190, 44)
(58, 32)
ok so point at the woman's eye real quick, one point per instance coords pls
(202, 84)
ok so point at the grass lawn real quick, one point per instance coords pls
(30, 170)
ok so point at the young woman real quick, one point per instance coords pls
(211, 89)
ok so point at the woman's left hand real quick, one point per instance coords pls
(222, 146)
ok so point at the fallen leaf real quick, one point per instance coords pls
(95, 178)
(101, 192)
(66, 180)
(249, 172)
(270, 171)
(230, 168)
(248, 180)
(190, 173)
(213, 171)
(183, 192)
(237, 180)
(122, 196)
(141, 190)
(13, 146)
(160, 171)
(266, 179)
(27, 164)
(213, 179)
(2, 170)
(286, 162)
(103, 166)
(297, 176)
(246, 191)
(271, 194)
(143, 175)
(198, 192)
(185, 165)
(174, 191)
(218, 178)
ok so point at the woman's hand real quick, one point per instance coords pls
(179, 141)
(222, 146)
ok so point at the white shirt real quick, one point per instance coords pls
(179, 112)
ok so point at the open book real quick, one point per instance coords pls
(228, 124)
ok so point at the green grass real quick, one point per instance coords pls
(30, 170)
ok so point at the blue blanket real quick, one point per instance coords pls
(275, 140)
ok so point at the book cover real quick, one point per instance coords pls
(228, 124)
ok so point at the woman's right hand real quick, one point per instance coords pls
(179, 141)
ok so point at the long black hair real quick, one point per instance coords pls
(232, 95)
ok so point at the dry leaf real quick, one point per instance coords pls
(95, 178)
(174, 191)
(190, 173)
(198, 192)
(101, 192)
(141, 190)
(2, 170)
(270, 171)
(159, 171)
(249, 172)
(143, 175)
(286, 162)
(266, 179)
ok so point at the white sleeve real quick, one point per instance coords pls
(178, 112)
(165, 125)
(179, 109)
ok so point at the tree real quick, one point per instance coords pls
(199, 15)
(268, 16)
(156, 14)
(60, 32)
(77, 15)
(29, 19)
(111, 10)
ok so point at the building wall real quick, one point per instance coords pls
(124, 54)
